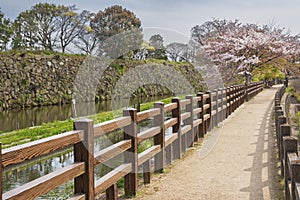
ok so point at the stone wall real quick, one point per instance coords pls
(28, 80)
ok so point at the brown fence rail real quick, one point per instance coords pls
(190, 120)
(287, 151)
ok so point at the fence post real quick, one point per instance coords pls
(189, 108)
(241, 100)
(147, 172)
(278, 113)
(112, 192)
(219, 106)
(281, 121)
(201, 129)
(285, 130)
(246, 93)
(290, 146)
(233, 98)
(176, 113)
(295, 177)
(215, 109)
(227, 101)
(230, 100)
(131, 155)
(208, 124)
(84, 152)
(159, 139)
(224, 104)
(277, 107)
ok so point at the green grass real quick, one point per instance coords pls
(22, 136)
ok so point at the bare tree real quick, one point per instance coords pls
(69, 25)
(179, 52)
(87, 40)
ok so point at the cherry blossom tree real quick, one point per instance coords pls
(237, 47)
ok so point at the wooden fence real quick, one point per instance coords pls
(190, 120)
(287, 150)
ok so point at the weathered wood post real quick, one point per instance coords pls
(84, 152)
(191, 135)
(147, 172)
(215, 108)
(241, 99)
(219, 107)
(246, 92)
(277, 104)
(277, 108)
(238, 96)
(231, 100)
(208, 123)
(278, 112)
(242, 94)
(227, 101)
(112, 192)
(159, 139)
(131, 155)
(224, 104)
(176, 113)
(201, 129)
(281, 121)
(295, 178)
(285, 130)
(290, 146)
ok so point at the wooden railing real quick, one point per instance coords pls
(190, 120)
(287, 151)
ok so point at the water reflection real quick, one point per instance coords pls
(22, 118)
(22, 174)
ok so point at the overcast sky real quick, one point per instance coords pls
(174, 18)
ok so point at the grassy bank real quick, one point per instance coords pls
(22, 136)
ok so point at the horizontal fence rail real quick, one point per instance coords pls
(287, 150)
(189, 120)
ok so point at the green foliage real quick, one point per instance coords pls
(25, 31)
(298, 98)
(40, 99)
(267, 72)
(290, 90)
(145, 145)
(61, 193)
(157, 42)
(117, 20)
(297, 120)
(120, 68)
(5, 32)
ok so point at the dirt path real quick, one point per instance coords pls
(242, 164)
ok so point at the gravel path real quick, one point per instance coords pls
(242, 164)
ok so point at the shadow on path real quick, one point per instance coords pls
(265, 158)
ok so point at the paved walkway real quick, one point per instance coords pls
(242, 164)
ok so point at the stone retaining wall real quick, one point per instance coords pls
(28, 80)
